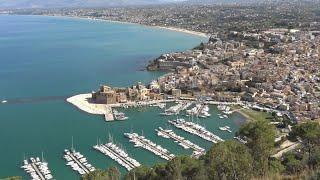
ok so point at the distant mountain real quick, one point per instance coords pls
(245, 1)
(76, 3)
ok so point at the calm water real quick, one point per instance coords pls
(45, 59)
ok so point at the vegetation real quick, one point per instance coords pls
(229, 160)
(108, 174)
(260, 136)
(12, 178)
(309, 136)
(255, 115)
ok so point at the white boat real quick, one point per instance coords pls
(119, 115)
(4, 101)
(223, 128)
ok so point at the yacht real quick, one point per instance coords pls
(119, 115)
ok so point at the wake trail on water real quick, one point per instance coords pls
(33, 100)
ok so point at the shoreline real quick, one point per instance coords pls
(83, 103)
(175, 29)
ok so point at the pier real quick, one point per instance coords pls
(108, 116)
(141, 141)
(168, 133)
(195, 129)
(38, 170)
(77, 162)
(117, 154)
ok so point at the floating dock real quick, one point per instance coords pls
(117, 154)
(141, 141)
(38, 170)
(77, 162)
(196, 129)
(169, 134)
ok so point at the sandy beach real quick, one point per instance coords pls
(183, 31)
(195, 33)
(82, 102)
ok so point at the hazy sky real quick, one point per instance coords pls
(74, 3)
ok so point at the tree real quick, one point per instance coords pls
(140, 173)
(260, 136)
(174, 169)
(309, 134)
(314, 160)
(108, 174)
(193, 169)
(179, 168)
(275, 166)
(13, 178)
(229, 160)
(293, 164)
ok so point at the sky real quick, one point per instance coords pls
(75, 3)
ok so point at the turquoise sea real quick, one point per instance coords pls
(43, 60)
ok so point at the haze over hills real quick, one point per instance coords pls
(245, 1)
(5, 4)
(77, 3)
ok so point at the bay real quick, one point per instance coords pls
(43, 60)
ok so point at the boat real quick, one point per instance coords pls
(240, 139)
(166, 114)
(225, 128)
(119, 115)
(4, 101)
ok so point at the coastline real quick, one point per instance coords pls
(185, 31)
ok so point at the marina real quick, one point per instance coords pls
(141, 141)
(225, 109)
(200, 110)
(195, 129)
(186, 144)
(159, 105)
(37, 169)
(180, 106)
(117, 154)
(77, 162)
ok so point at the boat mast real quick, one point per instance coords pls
(42, 159)
(191, 117)
(72, 143)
